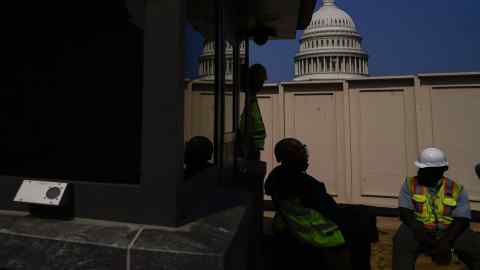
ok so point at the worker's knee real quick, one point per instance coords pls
(467, 242)
(466, 247)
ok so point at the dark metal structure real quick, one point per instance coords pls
(156, 199)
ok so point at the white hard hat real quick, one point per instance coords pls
(431, 157)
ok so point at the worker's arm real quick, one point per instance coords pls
(316, 197)
(458, 226)
(405, 205)
(443, 246)
(247, 114)
(407, 216)
(461, 222)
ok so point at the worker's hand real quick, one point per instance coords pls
(441, 253)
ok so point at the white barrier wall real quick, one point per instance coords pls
(314, 114)
(383, 139)
(364, 135)
(449, 115)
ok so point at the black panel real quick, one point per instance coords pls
(71, 90)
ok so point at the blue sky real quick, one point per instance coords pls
(401, 37)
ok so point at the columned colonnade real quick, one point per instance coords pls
(329, 64)
(206, 65)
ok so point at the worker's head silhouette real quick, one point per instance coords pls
(257, 75)
(431, 176)
(292, 154)
(198, 151)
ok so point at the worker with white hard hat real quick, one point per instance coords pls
(435, 214)
(432, 157)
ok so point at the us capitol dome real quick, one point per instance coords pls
(331, 47)
(206, 67)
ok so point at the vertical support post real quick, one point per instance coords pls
(246, 108)
(236, 96)
(236, 83)
(219, 128)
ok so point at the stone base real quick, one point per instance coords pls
(214, 242)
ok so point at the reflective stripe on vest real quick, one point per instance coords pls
(449, 205)
(435, 212)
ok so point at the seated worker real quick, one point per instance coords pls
(252, 129)
(307, 215)
(435, 215)
(198, 153)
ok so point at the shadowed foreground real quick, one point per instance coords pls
(381, 251)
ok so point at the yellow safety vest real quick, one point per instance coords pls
(307, 225)
(435, 212)
(256, 132)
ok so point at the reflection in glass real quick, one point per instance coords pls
(206, 64)
(198, 155)
(200, 90)
(199, 102)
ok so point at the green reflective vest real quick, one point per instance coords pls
(307, 225)
(256, 127)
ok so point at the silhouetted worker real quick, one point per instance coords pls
(309, 221)
(252, 128)
(435, 212)
(198, 153)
